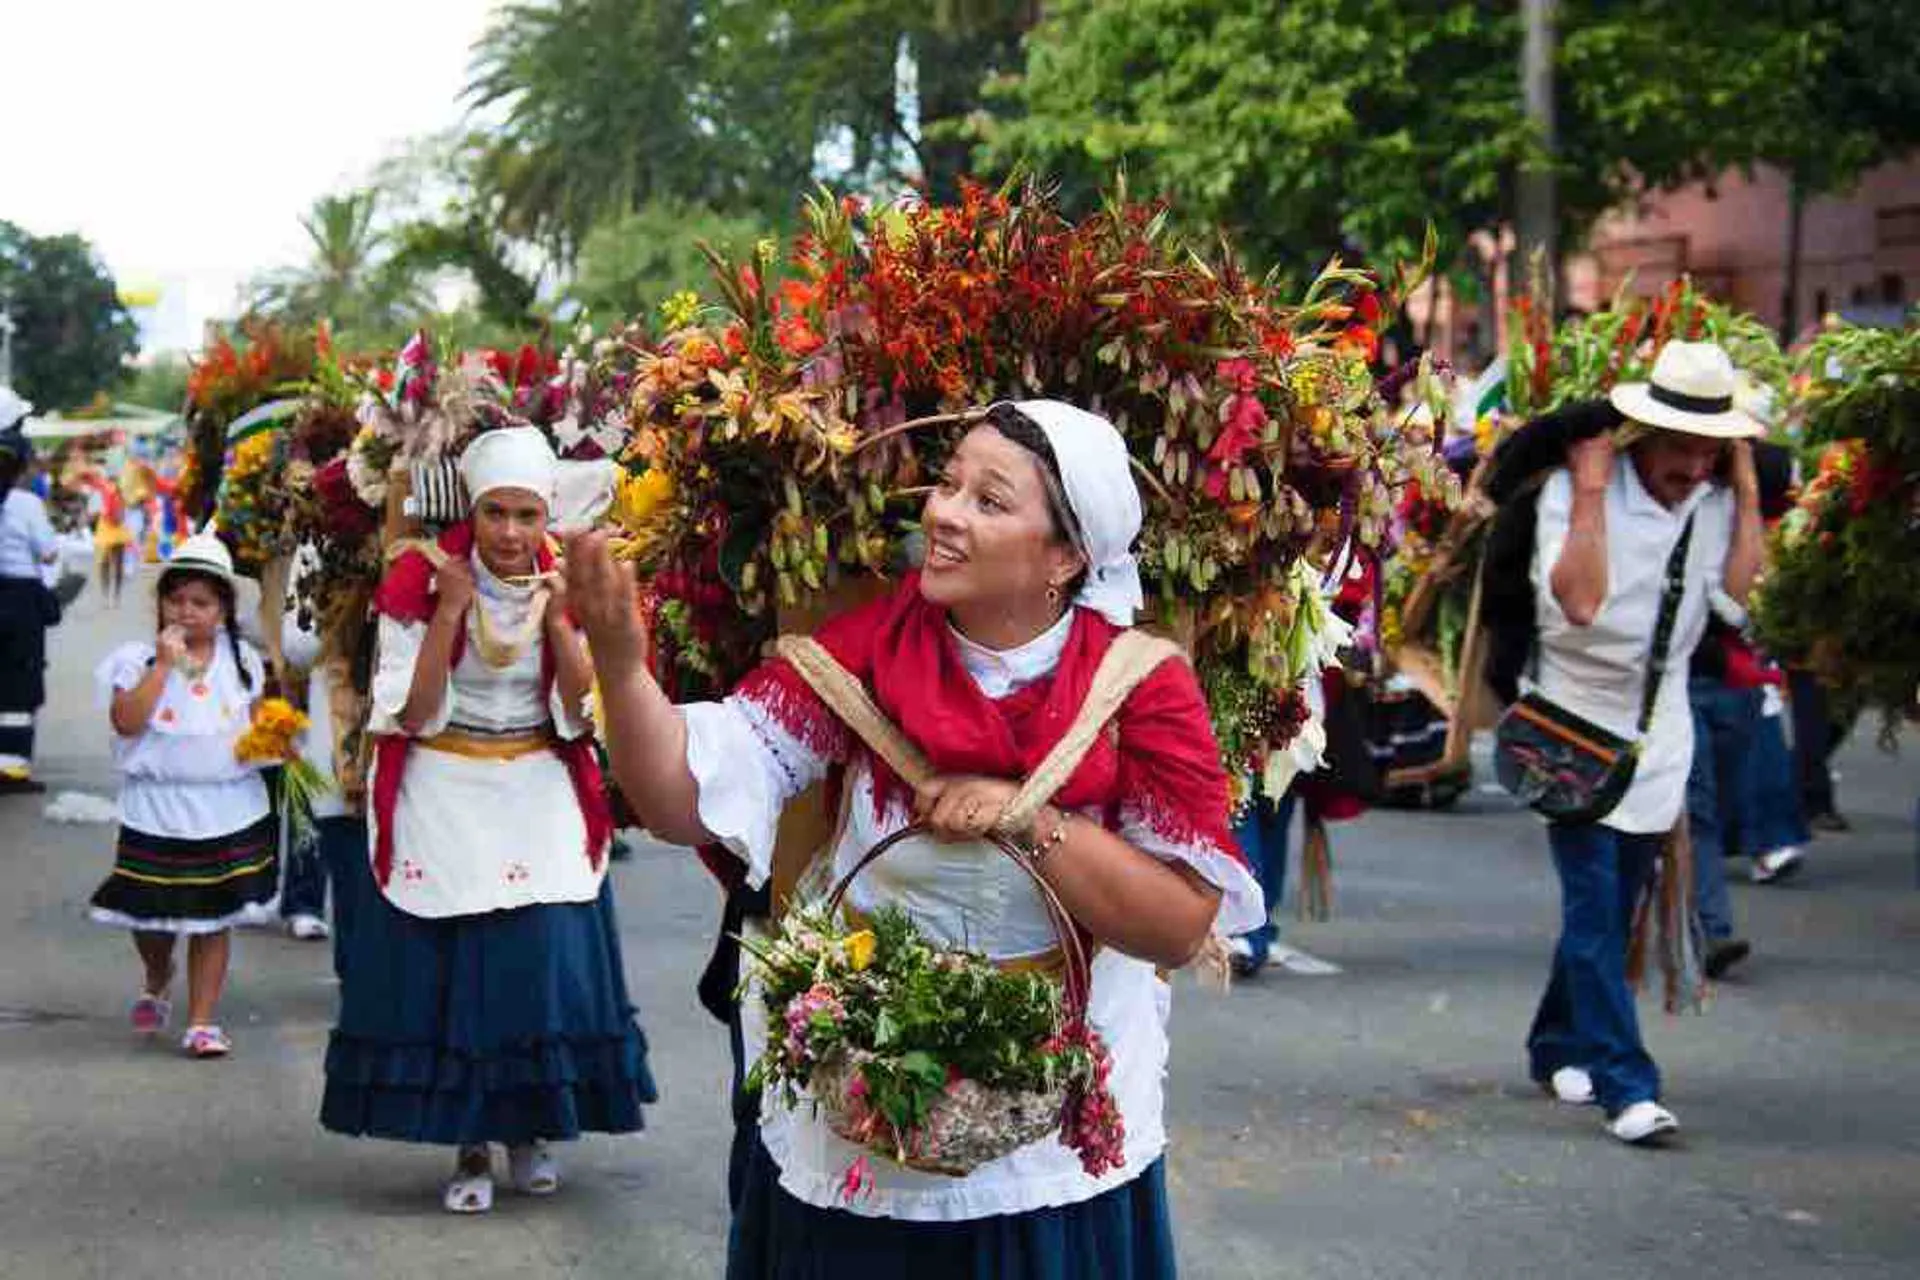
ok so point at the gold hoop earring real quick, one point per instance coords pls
(1053, 594)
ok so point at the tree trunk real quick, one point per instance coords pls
(1790, 289)
(1539, 232)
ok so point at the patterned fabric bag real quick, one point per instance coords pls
(1565, 767)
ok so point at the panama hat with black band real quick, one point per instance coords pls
(1691, 389)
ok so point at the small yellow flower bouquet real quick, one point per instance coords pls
(274, 739)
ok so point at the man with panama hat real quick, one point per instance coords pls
(1625, 508)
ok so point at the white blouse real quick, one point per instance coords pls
(479, 835)
(747, 767)
(179, 775)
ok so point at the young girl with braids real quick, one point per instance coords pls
(196, 851)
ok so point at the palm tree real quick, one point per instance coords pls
(347, 281)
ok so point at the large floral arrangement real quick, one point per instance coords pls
(1586, 357)
(1437, 539)
(781, 442)
(1843, 592)
(260, 361)
(928, 1056)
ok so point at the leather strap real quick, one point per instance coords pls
(1675, 586)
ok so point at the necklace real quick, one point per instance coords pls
(501, 652)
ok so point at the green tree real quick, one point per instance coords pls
(1321, 125)
(739, 106)
(160, 383)
(72, 337)
(629, 265)
(349, 280)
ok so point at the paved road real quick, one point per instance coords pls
(1375, 1124)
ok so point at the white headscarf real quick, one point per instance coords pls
(510, 458)
(1097, 475)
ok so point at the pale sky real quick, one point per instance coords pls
(185, 138)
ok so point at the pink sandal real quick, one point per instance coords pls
(206, 1042)
(150, 1013)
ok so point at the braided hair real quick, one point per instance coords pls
(174, 578)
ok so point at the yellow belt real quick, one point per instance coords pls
(1052, 961)
(487, 746)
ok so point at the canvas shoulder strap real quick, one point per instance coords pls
(1133, 657)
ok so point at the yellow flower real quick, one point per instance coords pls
(639, 498)
(859, 949)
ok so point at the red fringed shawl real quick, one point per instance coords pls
(1159, 757)
(406, 595)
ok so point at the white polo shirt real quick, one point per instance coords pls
(1599, 671)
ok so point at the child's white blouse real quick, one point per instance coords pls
(179, 777)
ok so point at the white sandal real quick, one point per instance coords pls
(469, 1192)
(533, 1168)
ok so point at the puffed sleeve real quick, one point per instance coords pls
(1174, 800)
(122, 669)
(753, 753)
(399, 649)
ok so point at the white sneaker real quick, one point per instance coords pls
(1294, 960)
(308, 928)
(1781, 864)
(1573, 1086)
(1642, 1122)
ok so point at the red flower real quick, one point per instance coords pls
(1368, 309)
(796, 337)
(1357, 337)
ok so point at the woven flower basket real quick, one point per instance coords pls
(972, 1124)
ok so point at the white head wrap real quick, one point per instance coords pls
(1097, 475)
(510, 458)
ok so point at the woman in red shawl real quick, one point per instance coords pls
(982, 659)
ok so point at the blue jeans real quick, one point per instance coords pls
(1720, 793)
(1263, 838)
(1774, 790)
(1587, 1016)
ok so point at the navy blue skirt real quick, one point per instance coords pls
(1123, 1234)
(502, 1027)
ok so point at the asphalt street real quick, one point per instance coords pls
(1377, 1123)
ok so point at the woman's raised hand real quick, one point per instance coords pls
(600, 593)
(963, 808)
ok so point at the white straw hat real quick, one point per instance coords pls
(1691, 389)
(203, 553)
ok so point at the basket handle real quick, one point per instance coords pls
(1079, 980)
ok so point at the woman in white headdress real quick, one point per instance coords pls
(482, 995)
(982, 660)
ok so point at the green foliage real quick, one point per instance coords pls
(734, 105)
(632, 263)
(350, 279)
(1843, 593)
(159, 384)
(912, 1017)
(72, 337)
(1319, 124)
